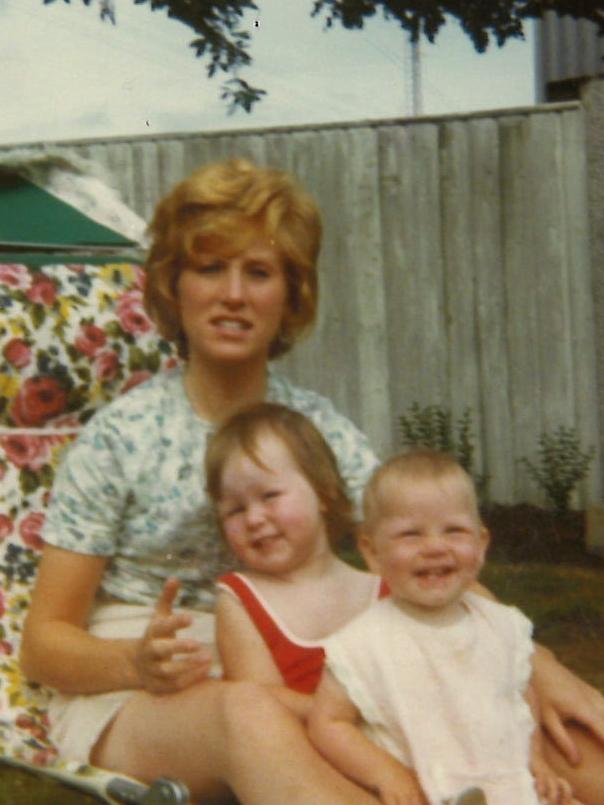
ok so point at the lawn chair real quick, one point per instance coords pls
(72, 336)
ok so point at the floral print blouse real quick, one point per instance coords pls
(131, 488)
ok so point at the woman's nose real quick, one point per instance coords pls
(233, 285)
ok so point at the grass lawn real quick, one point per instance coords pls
(537, 561)
(21, 788)
(566, 605)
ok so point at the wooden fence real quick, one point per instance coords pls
(455, 269)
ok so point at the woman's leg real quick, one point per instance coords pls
(218, 736)
(587, 779)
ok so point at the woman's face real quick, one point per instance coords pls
(232, 306)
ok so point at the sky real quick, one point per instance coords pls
(64, 74)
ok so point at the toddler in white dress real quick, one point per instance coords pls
(428, 693)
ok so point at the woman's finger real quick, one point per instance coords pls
(160, 649)
(165, 602)
(561, 737)
(173, 668)
(592, 716)
(167, 626)
(171, 677)
(566, 791)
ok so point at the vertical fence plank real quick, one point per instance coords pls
(363, 249)
(414, 266)
(522, 325)
(494, 423)
(457, 197)
(548, 271)
(579, 278)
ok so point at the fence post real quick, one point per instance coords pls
(592, 97)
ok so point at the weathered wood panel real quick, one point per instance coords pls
(455, 269)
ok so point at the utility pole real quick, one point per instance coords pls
(414, 91)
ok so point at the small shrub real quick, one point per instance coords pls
(559, 466)
(432, 426)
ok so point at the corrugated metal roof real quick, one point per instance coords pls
(566, 49)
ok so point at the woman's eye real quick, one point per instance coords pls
(259, 270)
(272, 493)
(210, 268)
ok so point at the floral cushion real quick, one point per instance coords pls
(72, 337)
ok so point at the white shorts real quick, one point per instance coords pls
(76, 722)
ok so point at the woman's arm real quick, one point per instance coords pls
(564, 697)
(334, 729)
(551, 788)
(58, 651)
(245, 655)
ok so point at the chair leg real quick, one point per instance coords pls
(161, 792)
(108, 787)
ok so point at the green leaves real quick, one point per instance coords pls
(560, 465)
(432, 426)
(240, 94)
(480, 19)
(220, 39)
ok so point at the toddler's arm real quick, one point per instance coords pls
(244, 654)
(333, 728)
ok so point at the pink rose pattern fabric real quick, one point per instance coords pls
(72, 337)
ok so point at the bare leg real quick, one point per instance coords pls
(218, 735)
(587, 779)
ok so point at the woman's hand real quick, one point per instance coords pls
(166, 663)
(551, 789)
(563, 697)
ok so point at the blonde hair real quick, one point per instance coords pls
(310, 451)
(415, 465)
(223, 207)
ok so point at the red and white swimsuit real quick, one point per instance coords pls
(299, 661)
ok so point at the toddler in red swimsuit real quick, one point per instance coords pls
(282, 508)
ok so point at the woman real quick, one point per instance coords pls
(231, 278)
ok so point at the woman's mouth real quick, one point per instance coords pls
(233, 325)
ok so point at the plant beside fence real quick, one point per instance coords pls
(433, 426)
(561, 464)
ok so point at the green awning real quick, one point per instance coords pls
(52, 257)
(32, 217)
